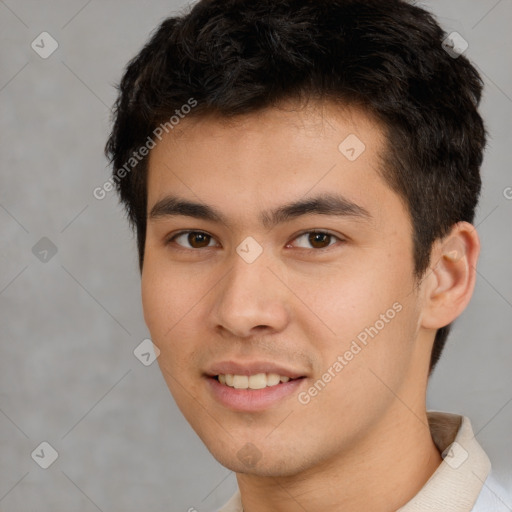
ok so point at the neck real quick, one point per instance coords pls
(382, 473)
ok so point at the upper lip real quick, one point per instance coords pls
(251, 368)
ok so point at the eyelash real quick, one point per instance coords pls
(171, 239)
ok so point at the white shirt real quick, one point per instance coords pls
(463, 482)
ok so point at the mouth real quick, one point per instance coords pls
(253, 393)
(253, 382)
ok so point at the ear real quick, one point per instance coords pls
(450, 280)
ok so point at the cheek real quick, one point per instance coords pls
(165, 307)
(365, 304)
(350, 297)
(154, 299)
(164, 298)
(171, 301)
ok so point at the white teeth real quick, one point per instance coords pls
(257, 381)
(240, 381)
(273, 379)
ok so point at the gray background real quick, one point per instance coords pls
(69, 325)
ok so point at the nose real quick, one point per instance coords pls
(251, 300)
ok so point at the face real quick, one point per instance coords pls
(275, 251)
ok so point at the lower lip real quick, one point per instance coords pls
(251, 400)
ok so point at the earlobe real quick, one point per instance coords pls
(452, 276)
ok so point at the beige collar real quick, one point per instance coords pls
(457, 482)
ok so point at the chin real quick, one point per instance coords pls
(250, 460)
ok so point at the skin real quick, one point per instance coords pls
(363, 442)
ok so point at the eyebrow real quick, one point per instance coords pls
(325, 204)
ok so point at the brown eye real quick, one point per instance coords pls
(194, 239)
(319, 240)
(316, 240)
(198, 239)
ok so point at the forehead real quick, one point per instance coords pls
(272, 157)
(314, 121)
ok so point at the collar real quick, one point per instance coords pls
(456, 483)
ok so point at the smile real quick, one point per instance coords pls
(256, 381)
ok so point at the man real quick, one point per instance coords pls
(302, 177)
